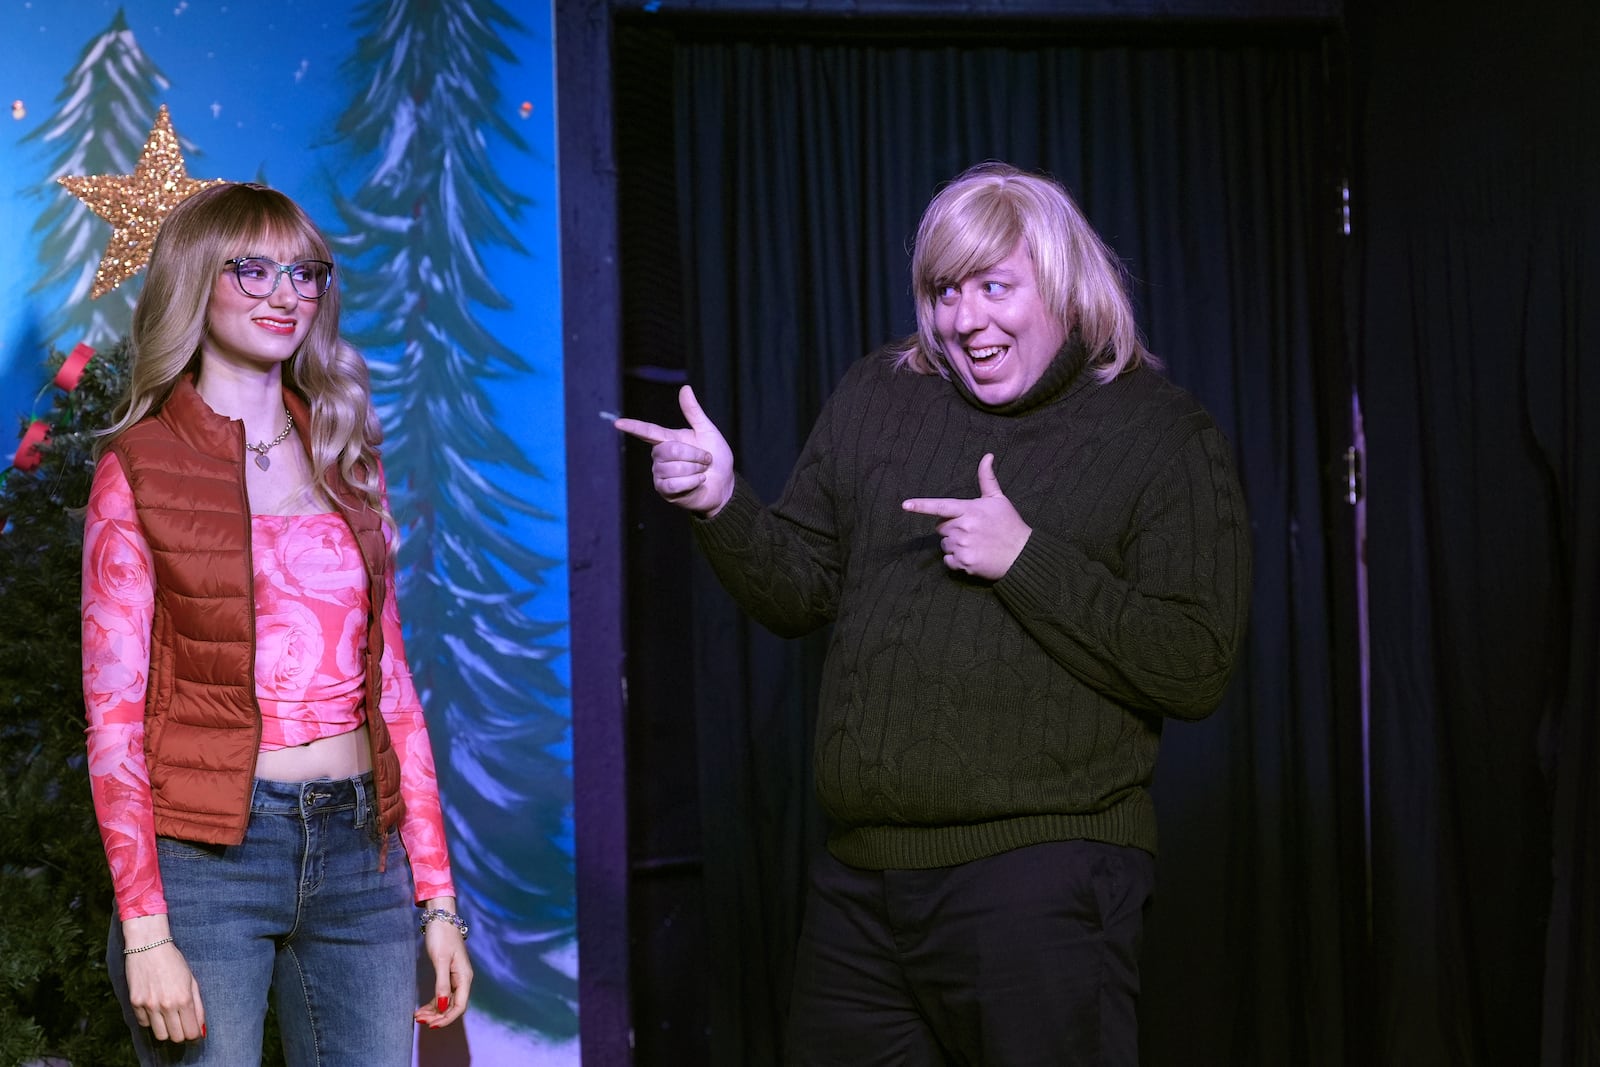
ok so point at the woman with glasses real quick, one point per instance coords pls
(259, 761)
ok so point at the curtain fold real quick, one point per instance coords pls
(802, 168)
(1478, 357)
(1484, 540)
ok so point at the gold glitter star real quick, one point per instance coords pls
(136, 204)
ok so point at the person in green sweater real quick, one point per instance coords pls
(1033, 550)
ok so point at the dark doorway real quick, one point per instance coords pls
(770, 174)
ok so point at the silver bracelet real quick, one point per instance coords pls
(147, 948)
(448, 916)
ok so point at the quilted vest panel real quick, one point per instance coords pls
(185, 465)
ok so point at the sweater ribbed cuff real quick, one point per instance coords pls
(1034, 582)
(728, 530)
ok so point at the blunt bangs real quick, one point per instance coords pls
(977, 231)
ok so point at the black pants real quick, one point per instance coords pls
(1025, 959)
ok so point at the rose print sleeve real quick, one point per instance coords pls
(422, 829)
(118, 606)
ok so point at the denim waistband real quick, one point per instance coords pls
(319, 795)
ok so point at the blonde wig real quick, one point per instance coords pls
(169, 321)
(975, 222)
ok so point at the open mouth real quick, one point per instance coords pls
(987, 354)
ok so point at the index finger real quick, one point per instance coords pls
(648, 432)
(941, 506)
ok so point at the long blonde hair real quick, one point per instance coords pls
(975, 222)
(169, 321)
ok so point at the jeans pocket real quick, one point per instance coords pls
(178, 849)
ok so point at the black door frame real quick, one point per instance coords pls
(592, 347)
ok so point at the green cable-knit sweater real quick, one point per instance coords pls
(959, 717)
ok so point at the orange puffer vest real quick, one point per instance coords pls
(185, 465)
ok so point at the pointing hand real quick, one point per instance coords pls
(981, 536)
(691, 467)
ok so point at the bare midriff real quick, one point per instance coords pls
(340, 756)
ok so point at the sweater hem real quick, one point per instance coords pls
(1131, 822)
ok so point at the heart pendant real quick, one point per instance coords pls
(263, 462)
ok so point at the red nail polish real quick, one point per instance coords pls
(202, 1029)
(444, 1003)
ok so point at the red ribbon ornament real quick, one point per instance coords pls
(71, 372)
(37, 435)
(28, 454)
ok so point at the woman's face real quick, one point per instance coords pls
(260, 331)
(998, 334)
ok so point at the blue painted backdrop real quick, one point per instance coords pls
(421, 136)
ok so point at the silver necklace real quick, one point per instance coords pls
(262, 448)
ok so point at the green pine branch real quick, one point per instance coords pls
(55, 996)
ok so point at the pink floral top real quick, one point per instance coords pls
(311, 610)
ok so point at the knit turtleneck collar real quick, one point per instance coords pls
(1065, 371)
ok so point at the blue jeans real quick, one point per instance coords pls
(300, 909)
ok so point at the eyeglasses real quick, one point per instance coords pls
(258, 277)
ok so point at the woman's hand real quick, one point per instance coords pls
(982, 535)
(452, 970)
(161, 989)
(691, 467)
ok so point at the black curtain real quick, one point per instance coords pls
(1479, 337)
(798, 164)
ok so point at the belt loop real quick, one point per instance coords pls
(362, 808)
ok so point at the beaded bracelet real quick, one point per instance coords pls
(147, 948)
(448, 916)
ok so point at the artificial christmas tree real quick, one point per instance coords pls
(55, 998)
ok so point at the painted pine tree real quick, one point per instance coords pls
(413, 274)
(107, 103)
